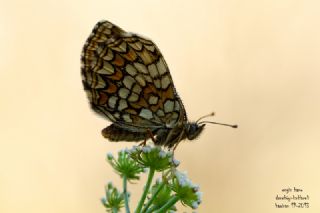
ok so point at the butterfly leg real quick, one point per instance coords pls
(144, 142)
(149, 134)
(175, 146)
(178, 142)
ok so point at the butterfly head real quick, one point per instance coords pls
(195, 128)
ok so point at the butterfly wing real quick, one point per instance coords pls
(128, 81)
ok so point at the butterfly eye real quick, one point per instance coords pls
(194, 130)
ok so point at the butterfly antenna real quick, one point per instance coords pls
(205, 116)
(210, 122)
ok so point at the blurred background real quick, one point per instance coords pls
(254, 63)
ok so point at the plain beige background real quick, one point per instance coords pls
(255, 63)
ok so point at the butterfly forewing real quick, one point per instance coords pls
(127, 81)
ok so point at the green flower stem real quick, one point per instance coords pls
(126, 200)
(168, 205)
(146, 190)
(152, 209)
(154, 196)
(114, 210)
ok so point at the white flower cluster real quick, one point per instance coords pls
(109, 156)
(183, 180)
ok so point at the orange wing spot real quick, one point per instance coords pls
(103, 98)
(99, 37)
(154, 108)
(92, 46)
(140, 104)
(167, 94)
(118, 61)
(117, 76)
(143, 103)
(89, 55)
(112, 88)
(131, 111)
(131, 55)
(148, 90)
(146, 56)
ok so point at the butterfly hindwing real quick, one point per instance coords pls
(128, 81)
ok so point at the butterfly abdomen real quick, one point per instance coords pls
(114, 133)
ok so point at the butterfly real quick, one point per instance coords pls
(128, 82)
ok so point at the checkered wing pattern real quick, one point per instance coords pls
(127, 81)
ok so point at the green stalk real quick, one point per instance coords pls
(146, 190)
(126, 200)
(168, 205)
(153, 197)
(114, 210)
(152, 209)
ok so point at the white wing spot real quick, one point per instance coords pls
(123, 92)
(137, 89)
(122, 104)
(145, 113)
(150, 48)
(165, 81)
(122, 47)
(157, 83)
(126, 118)
(107, 68)
(98, 83)
(117, 115)
(131, 70)
(133, 97)
(141, 68)
(109, 55)
(168, 106)
(176, 106)
(136, 45)
(160, 112)
(153, 70)
(148, 78)
(140, 79)
(112, 101)
(128, 81)
(162, 68)
(153, 100)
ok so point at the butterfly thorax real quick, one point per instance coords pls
(173, 135)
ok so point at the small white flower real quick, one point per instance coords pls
(175, 162)
(157, 148)
(103, 200)
(195, 205)
(162, 154)
(123, 151)
(135, 148)
(126, 150)
(182, 182)
(199, 196)
(170, 153)
(196, 188)
(109, 155)
(146, 149)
